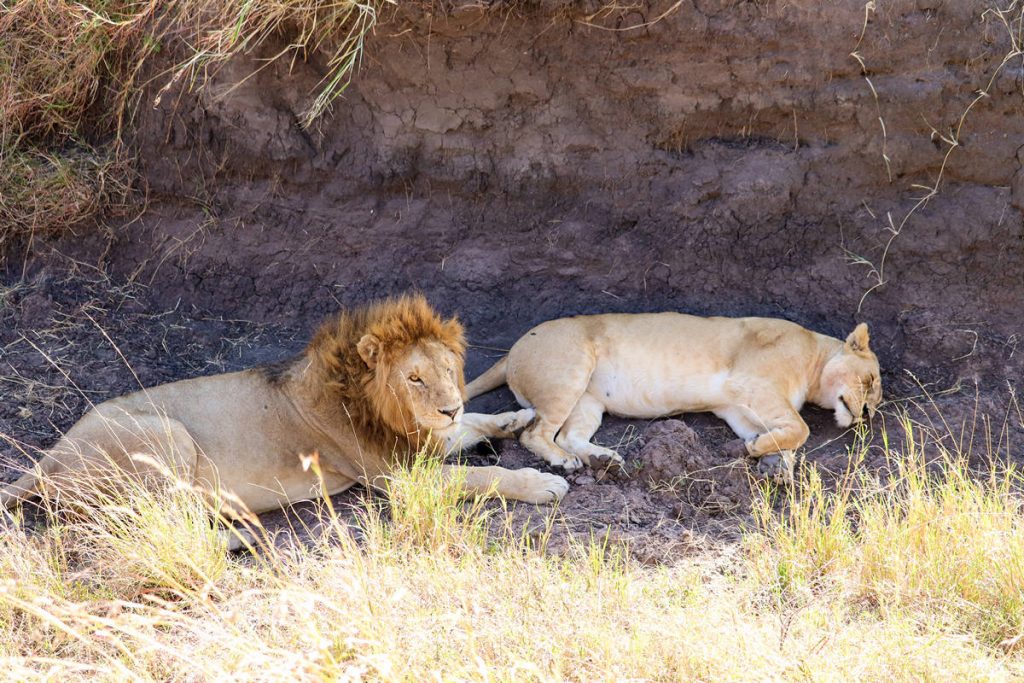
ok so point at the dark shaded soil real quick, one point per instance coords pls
(70, 340)
(532, 160)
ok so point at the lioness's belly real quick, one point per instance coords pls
(656, 387)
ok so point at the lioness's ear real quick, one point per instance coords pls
(369, 350)
(859, 338)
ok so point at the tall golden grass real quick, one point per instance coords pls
(913, 576)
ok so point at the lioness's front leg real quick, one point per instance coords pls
(771, 431)
(475, 427)
(526, 484)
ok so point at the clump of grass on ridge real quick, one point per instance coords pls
(45, 193)
(70, 79)
(338, 28)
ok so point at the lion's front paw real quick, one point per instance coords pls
(776, 467)
(538, 487)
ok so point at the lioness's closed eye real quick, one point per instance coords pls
(374, 385)
(755, 373)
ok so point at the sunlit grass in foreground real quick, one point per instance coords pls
(913, 576)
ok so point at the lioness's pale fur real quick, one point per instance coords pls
(373, 386)
(755, 373)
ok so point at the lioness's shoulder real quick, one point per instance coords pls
(767, 333)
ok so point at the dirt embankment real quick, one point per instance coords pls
(522, 162)
(518, 164)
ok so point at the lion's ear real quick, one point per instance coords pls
(369, 348)
(858, 339)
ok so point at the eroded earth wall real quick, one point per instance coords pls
(522, 162)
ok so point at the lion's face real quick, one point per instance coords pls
(419, 388)
(851, 381)
(426, 380)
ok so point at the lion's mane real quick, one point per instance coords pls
(347, 384)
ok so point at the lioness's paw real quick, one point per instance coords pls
(777, 467)
(518, 421)
(606, 460)
(567, 464)
(540, 487)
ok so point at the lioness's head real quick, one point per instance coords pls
(850, 381)
(393, 368)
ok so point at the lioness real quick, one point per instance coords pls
(754, 373)
(373, 386)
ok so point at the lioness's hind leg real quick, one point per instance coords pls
(580, 427)
(553, 388)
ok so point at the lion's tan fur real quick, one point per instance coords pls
(373, 385)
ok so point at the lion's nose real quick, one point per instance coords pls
(450, 412)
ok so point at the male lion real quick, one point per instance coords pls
(754, 373)
(373, 386)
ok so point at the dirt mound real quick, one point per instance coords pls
(675, 494)
(674, 459)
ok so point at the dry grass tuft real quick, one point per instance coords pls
(66, 73)
(338, 28)
(47, 193)
(935, 542)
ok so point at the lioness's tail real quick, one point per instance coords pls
(26, 485)
(490, 380)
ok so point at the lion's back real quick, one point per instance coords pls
(230, 410)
